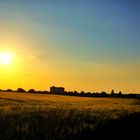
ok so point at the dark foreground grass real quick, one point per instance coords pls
(71, 124)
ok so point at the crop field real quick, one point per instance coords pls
(51, 117)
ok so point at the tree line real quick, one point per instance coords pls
(76, 93)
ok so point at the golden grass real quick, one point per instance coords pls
(39, 116)
(8, 100)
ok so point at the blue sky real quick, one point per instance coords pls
(79, 32)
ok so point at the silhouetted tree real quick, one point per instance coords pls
(103, 93)
(20, 90)
(9, 90)
(45, 92)
(112, 92)
(120, 93)
(32, 91)
(82, 93)
(88, 94)
(75, 92)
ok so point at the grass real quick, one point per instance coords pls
(53, 117)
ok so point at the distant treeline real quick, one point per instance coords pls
(80, 94)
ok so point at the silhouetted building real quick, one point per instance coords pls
(57, 89)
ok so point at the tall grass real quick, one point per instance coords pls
(40, 117)
(52, 124)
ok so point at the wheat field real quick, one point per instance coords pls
(27, 116)
(10, 100)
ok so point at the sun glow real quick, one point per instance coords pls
(6, 58)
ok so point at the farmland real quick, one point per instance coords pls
(39, 116)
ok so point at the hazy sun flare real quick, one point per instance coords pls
(6, 58)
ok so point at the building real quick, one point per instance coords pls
(54, 89)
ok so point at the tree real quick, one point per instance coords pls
(112, 92)
(20, 90)
(103, 94)
(9, 90)
(32, 91)
(120, 93)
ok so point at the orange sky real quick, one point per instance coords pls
(85, 46)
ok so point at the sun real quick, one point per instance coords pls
(6, 58)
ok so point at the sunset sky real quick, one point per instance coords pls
(90, 45)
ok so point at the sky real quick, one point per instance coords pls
(83, 45)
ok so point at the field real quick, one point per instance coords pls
(50, 117)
